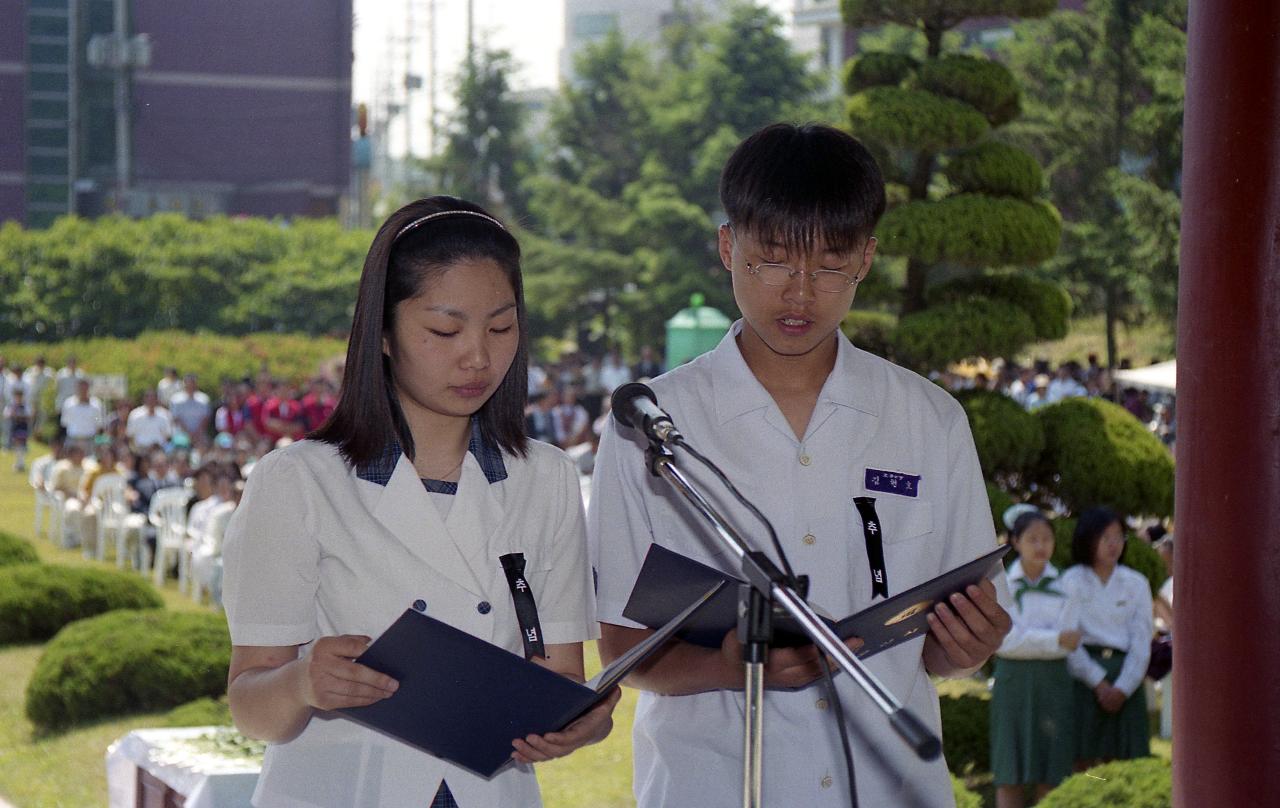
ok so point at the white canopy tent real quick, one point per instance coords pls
(1159, 378)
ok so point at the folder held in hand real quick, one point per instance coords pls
(465, 700)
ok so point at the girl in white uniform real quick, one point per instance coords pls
(1111, 662)
(1031, 704)
(409, 494)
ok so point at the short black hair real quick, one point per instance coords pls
(1025, 521)
(800, 185)
(1089, 529)
(405, 256)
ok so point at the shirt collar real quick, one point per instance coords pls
(1016, 572)
(487, 454)
(738, 391)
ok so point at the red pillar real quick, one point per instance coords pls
(1227, 565)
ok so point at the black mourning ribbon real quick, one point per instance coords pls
(873, 531)
(526, 608)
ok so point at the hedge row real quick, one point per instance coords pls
(37, 600)
(16, 550)
(125, 662)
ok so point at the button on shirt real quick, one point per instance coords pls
(1041, 611)
(870, 414)
(1117, 615)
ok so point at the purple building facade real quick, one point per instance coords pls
(237, 107)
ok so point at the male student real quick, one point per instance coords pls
(803, 422)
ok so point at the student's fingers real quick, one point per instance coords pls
(854, 643)
(953, 636)
(984, 597)
(348, 646)
(986, 634)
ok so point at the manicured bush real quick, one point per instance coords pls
(1000, 502)
(983, 83)
(966, 732)
(964, 797)
(973, 230)
(1009, 439)
(128, 661)
(1143, 558)
(870, 330)
(1048, 304)
(16, 550)
(1139, 783)
(203, 712)
(939, 335)
(36, 600)
(1097, 453)
(996, 168)
(876, 68)
(914, 119)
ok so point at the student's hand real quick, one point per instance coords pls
(969, 630)
(785, 668)
(1069, 639)
(1110, 698)
(331, 679)
(592, 727)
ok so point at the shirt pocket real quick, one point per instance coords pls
(903, 519)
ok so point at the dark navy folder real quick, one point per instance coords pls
(668, 580)
(464, 699)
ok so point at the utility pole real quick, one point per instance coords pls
(433, 82)
(124, 134)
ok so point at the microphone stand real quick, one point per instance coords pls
(770, 588)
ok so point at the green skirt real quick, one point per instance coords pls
(1032, 732)
(1111, 736)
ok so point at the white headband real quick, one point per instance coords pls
(430, 216)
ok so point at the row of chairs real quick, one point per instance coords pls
(62, 519)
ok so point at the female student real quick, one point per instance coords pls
(409, 494)
(1115, 619)
(1031, 705)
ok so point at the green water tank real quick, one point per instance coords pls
(694, 331)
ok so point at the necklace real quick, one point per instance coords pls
(444, 477)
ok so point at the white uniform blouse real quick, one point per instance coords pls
(1041, 611)
(1117, 615)
(318, 548)
(871, 416)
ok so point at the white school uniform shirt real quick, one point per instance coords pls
(317, 548)
(1041, 611)
(872, 420)
(1116, 614)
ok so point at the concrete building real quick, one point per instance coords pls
(588, 21)
(236, 107)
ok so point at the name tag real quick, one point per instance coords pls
(892, 482)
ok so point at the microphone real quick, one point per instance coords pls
(636, 406)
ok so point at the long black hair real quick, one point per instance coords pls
(417, 243)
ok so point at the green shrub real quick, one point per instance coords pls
(983, 83)
(37, 600)
(996, 168)
(966, 732)
(203, 712)
(964, 797)
(1000, 502)
(16, 550)
(972, 230)
(1143, 558)
(1097, 453)
(128, 661)
(870, 330)
(1063, 529)
(939, 335)
(1048, 303)
(1009, 439)
(914, 119)
(876, 68)
(1139, 783)
(211, 357)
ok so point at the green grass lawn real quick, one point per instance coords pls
(1140, 344)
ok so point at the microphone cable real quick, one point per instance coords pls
(829, 679)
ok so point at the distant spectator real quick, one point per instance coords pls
(614, 373)
(593, 394)
(1039, 395)
(539, 423)
(256, 402)
(230, 417)
(1065, 385)
(1138, 403)
(150, 424)
(318, 403)
(1022, 386)
(65, 382)
(648, 367)
(10, 385)
(37, 379)
(537, 379)
(283, 415)
(66, 473)
(191, 410)
(82, 414)
(1091, 372)
(17, 426)
(168, 385)
(572, 423)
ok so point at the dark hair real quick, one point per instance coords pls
(405, 256)
(1089, 529)
(797, 185)
(1025, 521)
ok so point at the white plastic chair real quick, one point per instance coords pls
(101, 504)
(44, 501)
(169, 516)
(207, 552)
